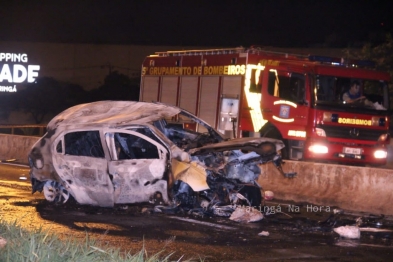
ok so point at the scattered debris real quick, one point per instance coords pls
(264, 234)
(343, 242)
(351, 232)
(337, 211)
(359, 221)
(269, 195)
(198, 222)
(371, 221)
(246, 215)
(145, 210)
(371, 229)
(123, 207)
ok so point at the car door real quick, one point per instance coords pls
(138, 166)
(79, 160)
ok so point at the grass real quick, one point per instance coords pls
(39, 245)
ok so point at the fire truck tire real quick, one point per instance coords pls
(270, 131)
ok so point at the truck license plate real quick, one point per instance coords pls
(350, 150)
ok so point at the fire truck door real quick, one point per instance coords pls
(284, 102)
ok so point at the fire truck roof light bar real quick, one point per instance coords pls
(258, 50)
(203, 52)
(341, 61)
(253, 50)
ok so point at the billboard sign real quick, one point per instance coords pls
(15, 69)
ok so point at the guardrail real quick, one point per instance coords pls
(23, 130)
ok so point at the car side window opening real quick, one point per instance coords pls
(186, 133)
(129, 146)
(286, 85)
(59, 147)
(147, 132)
(84, 143)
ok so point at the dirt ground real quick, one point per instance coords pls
(296, 231)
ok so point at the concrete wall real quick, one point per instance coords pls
(16, 147)
(362, 189)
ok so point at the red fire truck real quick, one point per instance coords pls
(295, 98)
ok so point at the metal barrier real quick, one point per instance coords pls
(23, 130)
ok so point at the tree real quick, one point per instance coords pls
(47, 96)
(40, 98)
(117, 87)
(73, 94)
(381, 54)
(7, 103)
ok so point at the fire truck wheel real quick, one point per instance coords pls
(270, 131)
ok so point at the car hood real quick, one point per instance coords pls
(260, 145)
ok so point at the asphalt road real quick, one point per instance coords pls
(296, 231)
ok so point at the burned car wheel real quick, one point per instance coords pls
(55, 192)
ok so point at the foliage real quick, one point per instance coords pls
(381, 54)
(40, 97)
(117, 86)
(40, 245)
(48, 96)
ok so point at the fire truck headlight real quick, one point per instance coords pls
(383, 137)
(318, 149)
(320, 132)
(327, 117)
(380, 154)
(378, 121)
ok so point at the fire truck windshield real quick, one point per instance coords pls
(366, 93)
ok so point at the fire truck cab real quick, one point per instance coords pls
(295, 98)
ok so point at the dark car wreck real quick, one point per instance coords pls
(121, 152)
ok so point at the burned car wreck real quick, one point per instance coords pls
(122, 152)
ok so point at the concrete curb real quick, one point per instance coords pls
(362, 189)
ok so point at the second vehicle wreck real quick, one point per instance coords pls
(119, 152)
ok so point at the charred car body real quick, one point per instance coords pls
(121, 152)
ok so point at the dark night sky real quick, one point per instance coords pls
(282, 23)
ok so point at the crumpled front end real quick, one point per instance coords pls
(222, 177)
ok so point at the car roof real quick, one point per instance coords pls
(112, 114)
